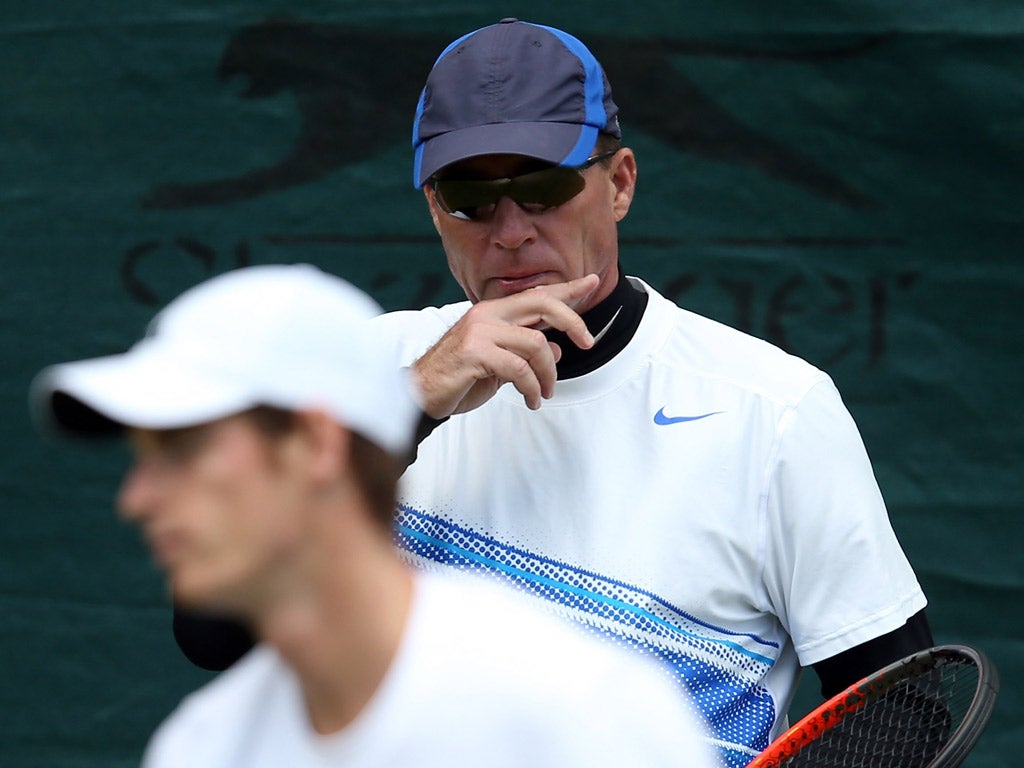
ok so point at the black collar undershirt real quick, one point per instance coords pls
(629, 303)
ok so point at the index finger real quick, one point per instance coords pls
(572, 293)
(555, 306)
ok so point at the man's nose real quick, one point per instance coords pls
(138, 492)
(511, 226)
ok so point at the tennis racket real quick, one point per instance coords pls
(924, 711)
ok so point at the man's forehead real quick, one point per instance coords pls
(496, 166)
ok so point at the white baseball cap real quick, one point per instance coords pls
(291, 337)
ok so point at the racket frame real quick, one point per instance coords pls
(829, 714)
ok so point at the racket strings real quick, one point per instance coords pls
(904, 726)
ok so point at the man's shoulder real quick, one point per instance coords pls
(412, 331)
(210, 718)
(443, 316)
(709, 348)
(529, 657)
(499, 612)
(517, 626)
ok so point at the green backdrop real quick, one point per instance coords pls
(844, 178)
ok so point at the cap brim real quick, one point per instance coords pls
(137, 389)
(558, 143)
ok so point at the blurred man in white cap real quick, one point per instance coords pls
(269, 432)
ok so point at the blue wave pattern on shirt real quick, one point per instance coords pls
(719, 669)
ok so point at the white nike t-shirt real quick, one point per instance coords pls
(703, 498)
(480, 679)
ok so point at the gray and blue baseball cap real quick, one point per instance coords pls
(512, 88)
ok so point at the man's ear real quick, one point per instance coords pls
(428, 193)
(326, 444)
(623, 176)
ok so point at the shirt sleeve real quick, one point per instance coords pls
(834, 572)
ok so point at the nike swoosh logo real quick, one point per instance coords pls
(662, 419)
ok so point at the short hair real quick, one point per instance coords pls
(606, 142)
(376, 471)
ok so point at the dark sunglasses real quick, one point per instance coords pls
(476, 199)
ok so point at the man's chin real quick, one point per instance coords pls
(202, 596)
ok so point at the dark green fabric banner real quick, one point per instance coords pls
(844, 179)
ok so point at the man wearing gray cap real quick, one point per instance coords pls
(690, 491)
(269, 430)
(695, 493)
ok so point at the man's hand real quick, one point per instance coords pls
(499, 341)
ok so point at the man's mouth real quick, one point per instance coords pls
(510, 284)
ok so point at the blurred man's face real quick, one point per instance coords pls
(218, 505)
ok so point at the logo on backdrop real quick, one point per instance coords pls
(357, 92)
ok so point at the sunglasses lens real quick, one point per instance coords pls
(463, 198)
(535, 192)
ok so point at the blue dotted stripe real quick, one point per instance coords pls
(719, 674)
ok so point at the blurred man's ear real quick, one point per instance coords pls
(326, 444)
